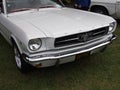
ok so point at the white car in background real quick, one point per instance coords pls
(44, 33)
(107, 7)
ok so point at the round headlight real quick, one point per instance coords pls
(34, 44)
(112, 26)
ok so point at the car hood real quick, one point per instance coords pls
(57, 22)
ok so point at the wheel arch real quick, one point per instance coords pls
(99, 6)
(14, 41)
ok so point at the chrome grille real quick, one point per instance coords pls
(81, 37)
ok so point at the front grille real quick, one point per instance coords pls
(80, 37)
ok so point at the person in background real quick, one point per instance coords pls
(82, 4)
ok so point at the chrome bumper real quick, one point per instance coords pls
(53, 55)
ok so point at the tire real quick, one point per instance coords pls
(100, 10)
(22, 66)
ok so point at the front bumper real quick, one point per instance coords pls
(71, 51)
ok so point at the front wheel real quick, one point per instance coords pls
(20, 63)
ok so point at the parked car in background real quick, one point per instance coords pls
(107, 7)
(43, 33)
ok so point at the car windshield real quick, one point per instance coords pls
(23, 5)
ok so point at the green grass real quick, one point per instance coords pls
(100, 71)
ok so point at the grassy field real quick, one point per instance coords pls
(100, 71)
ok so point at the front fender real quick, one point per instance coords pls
(21, 45)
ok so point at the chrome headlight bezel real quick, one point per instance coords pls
(35, 44)
(112, 26)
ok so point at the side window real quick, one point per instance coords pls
(1, 6)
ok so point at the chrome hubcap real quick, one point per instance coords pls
(17, 58)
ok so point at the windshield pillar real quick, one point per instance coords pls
(4, 7)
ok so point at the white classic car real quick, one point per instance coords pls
(44, 33)
(107, 7)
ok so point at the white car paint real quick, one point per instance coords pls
(61, 17)
(48, 24)
(112, 6)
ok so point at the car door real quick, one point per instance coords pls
(118, 9)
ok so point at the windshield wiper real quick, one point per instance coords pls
(21, 9)
(46, 6)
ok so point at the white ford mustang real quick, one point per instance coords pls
(43, 33)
